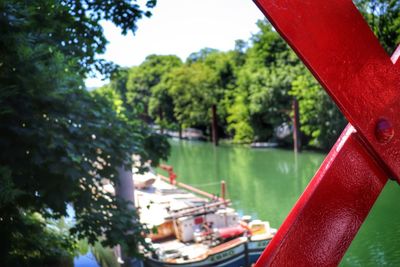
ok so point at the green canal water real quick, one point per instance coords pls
(265, 183)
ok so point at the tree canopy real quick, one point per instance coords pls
(145, 89)
(59, 141)
(383, 16)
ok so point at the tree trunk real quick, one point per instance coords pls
(296, 127)
(214, 125)
(124, 190)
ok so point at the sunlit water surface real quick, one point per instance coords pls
(265, 183)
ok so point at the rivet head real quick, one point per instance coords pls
(384, 131)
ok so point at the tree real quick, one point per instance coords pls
(239, 119)
(225, 65)
(189, 87)
(320, 119)
(145, 91)
(263, 85)
(161, 102)
(59, 141)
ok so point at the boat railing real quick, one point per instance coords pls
(206, 208)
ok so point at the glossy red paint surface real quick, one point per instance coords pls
(336, 44)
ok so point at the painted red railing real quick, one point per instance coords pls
(337, 45)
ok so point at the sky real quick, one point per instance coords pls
(181, 27)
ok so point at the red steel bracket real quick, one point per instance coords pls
(335, 42)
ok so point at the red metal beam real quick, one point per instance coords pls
(327, 216)
(338, 47)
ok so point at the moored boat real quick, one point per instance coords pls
(196, 231)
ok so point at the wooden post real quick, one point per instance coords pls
(223, 190)
(296, 126)
(161, 116)
(214, 125)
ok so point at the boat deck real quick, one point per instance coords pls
(183, 237)
(158, 201)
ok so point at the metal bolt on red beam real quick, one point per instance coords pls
(384, 131)
(337, 45)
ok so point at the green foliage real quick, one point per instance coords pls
(383, 16)
(157, 89)
(225, 66)
(146, 92)
(263, 85)
(320, 119)
(161, 103)
(73, 26)
(58, 140)
(200, 55)
(239, 120)
(37, 243)
(113, 97)
(191, 88)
